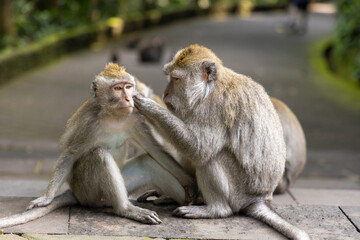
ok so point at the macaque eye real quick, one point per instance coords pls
(175, 79)
(128, 87)
(118, 88)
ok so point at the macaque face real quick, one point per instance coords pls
(122, 93)
(186, 88)
(175, 89)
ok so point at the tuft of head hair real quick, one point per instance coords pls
(194, 54)
(112, 70)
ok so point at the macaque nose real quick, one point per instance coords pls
(168, 91)
(127, 97)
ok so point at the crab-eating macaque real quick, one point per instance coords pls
(225, 124)
(93, 150)
(295, 145)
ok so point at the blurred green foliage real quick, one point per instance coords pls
(35, 19)
(347, 40)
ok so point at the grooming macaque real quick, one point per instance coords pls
(93, 150)
(225, 125)
(295, 145)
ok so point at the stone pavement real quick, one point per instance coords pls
(324, 214)
(35, 107)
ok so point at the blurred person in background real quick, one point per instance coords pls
(298, 16)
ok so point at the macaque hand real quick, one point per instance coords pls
(142, 103)
(40, 202)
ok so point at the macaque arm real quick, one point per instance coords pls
(168, 125)
(62, 170)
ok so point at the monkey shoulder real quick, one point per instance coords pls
(80, 127)
(245, 94)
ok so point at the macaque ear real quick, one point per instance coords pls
(209, 72)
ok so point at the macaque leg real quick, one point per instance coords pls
(214, 186)
(97, 182)
(143, 170)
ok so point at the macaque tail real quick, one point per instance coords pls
(264, 213)
(63, 200)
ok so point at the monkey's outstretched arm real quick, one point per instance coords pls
(62, 170)
(169, 126)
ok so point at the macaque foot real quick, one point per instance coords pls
(40, 202)
(141, 215)
(205, 211)
(192, 212)
(160, 200)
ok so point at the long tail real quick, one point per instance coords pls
(63, 200)
(263, 212)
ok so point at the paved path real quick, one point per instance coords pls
(325, 214)
(35, 107)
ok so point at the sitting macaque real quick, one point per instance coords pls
(294, 140)
(226, 126)
(93, 149)
(295, 145)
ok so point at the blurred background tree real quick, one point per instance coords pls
(34, 20)
(26, 21)
(347, 40)
(7, 27)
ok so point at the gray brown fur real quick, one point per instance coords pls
(295, 145)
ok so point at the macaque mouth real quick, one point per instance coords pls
(119, 104)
